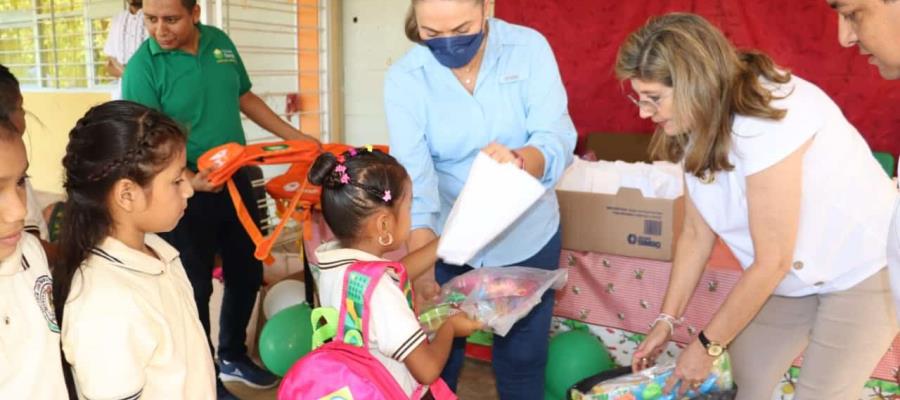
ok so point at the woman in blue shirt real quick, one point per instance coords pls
(479, 84)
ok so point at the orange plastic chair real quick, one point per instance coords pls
(290, 190)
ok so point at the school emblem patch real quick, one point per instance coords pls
(43, 293)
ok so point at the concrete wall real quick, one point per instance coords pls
(372, 39)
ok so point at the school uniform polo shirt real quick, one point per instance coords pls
(131, 329)
(30, 365)
(394, 330)
(202, 92)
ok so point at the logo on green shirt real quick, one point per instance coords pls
(224, 56)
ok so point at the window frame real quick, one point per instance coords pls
(47, 68)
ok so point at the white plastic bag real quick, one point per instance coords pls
(660, 180)
(494, 197)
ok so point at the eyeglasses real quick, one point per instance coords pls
(650, 106)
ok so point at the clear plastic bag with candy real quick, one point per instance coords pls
(496, 296)
(649, 384)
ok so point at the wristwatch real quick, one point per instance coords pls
(714, 349)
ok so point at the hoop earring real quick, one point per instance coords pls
(389, 241)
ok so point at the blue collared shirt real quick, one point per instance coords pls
(437, 128)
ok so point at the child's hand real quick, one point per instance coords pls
(463, 326)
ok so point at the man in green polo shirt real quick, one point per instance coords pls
(194, 74)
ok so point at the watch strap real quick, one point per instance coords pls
(706, 342)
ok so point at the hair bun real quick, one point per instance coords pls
(322, 168)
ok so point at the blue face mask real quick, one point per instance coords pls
(455, 51)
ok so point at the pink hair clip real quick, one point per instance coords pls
(352, 152)
(387, 196)
(342, 169)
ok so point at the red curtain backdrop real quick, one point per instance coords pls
(799, 34)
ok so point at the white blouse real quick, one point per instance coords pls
(847, 199)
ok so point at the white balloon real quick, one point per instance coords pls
(282, 295)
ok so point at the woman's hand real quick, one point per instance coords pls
(502, 154)
(692, 368)
(419, 263)
(653, 345)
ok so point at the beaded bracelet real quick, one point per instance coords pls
(669, 320)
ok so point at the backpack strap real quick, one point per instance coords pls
(360, 281)
(323, 331)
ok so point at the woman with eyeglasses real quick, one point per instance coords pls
(474, 84)
(774, 169)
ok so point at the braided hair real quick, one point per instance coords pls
(113, 141)
(355, 185)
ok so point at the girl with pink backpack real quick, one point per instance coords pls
(379, 350)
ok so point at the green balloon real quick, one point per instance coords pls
(286, 338)
(573, 356)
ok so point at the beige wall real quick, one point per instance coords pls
(52, 115)
(370, 45)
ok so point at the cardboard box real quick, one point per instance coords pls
(626, 223)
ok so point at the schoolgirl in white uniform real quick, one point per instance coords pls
(30, 365)
(130, 327)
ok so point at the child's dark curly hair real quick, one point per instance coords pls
(355, 184)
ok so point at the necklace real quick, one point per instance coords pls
(465, 74)
(468, 75)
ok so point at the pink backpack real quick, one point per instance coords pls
(343, 369)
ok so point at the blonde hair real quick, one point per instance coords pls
(711, 81)
(411, 26)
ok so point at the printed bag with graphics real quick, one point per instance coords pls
(343, 368)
